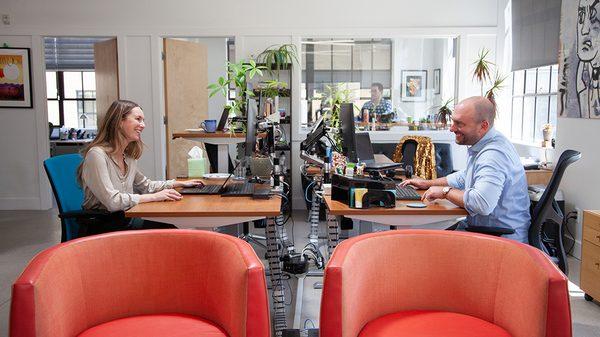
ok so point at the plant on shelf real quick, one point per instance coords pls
(444, 113)
(277, 58)
(272, 88)
(238, 74)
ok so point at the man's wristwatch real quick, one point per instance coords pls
(445, 190)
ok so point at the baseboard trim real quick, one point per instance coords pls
(8, 204)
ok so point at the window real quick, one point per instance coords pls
(351, 65)
(533, 103)
(72, 98)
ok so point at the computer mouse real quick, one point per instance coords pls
(416, 205)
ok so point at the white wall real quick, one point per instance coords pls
(581, 182)
(139, 28)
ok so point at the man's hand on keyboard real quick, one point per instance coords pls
(418, 183)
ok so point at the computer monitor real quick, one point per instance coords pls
(54, 132)
(348, 132)
(251, 112)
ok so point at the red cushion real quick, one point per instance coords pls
(429, 324)
(172, 325)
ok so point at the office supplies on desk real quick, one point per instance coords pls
(416, 205)
(342, 186)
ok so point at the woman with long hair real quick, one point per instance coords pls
(109, 174)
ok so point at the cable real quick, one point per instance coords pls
(311, 322)
(306, 191)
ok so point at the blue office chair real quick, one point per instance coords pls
(62, 174)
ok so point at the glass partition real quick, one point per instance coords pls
(415, 75)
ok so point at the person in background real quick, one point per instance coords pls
(493, 187)
(109, 174)
(378, 105)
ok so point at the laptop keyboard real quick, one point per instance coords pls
(206, 189)
(239, 189)
(406, 193)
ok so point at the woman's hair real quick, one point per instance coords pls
(110, 134)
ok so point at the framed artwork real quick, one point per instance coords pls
(414, 85)
(436, 81)
(15, 78)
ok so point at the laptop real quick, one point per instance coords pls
(206, 189)
(237, 190)
(365, 154)
(223, 119)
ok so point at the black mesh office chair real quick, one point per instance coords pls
(547, 213)
(546, 217)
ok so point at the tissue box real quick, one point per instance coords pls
(196, 167)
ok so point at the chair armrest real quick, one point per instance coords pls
(495, 231)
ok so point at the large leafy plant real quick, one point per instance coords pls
(238, 74)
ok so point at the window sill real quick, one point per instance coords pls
(528, 144)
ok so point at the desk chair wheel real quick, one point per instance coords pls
(588, 297)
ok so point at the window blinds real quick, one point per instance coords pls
(70, 53)
(535, 33)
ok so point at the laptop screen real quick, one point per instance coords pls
(364, 149)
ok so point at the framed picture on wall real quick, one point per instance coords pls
(436, 81)
(15, 78)
(414, 85)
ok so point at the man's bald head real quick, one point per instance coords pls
(480, 107)
(472, 119)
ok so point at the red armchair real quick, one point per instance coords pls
(143, 283)
(442, 283)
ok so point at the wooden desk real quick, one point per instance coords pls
(219, 138)
(209, 211)
(538, 177)
(401, 215)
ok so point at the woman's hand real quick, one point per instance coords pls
(189, 183)
(167, 195)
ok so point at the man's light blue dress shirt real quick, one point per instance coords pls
(495, 186)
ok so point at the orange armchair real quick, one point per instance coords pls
(441, 283)
(143, 283)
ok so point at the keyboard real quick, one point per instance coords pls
(206, 189)
(406, 193)
(242, 189)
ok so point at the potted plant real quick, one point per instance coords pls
(334, 96)
(482, 73)
(482, 68)
(444, 113)
(277, 58)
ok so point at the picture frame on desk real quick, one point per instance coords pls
(15, 78)
(414, 85)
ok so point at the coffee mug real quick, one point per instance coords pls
(209, 125)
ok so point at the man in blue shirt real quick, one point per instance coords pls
(378, 105)
(493, 187)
